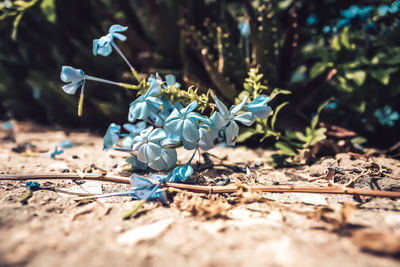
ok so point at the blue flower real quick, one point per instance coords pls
(244, 28)
(167, 159)
(356, 11)
(74, 78)
(145, 189)
(230, 117)
(32, 185)
(331, 105)
(386, 116)
(133, 129)
(326, 29)
(364, 12)
(343, 23)
(111, 137)
(103, 46)
(142, 107)
(351, 12)
(171, 81)
(180, 174)
(183, 125)
(206, 140)
(312, 20)
(383, 10)
(56, 152)
(147, 144)
(259, 108)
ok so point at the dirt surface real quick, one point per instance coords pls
(249, 229)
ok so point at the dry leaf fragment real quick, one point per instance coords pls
(202, 206)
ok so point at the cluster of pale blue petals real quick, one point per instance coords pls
(157, 126)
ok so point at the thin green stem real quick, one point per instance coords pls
(134, 72)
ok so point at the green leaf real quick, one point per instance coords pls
(285, 148)
(276, 111)
(335, 43)
(277, 92)
(358, 140)
(319, 68)
(49, 10)
(383, 75)
(17, 20)
(314, 121)
(357, 76)
(247, 133)
(345, 38)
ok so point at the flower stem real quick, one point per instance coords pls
(134, 72)
(91, 78)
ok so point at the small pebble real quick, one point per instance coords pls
(222, 181)
(65, 171)
(75, 157)
(275, 183)
(238, 169)
(115, 166)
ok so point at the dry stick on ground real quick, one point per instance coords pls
(210, 189)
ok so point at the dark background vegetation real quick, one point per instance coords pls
(168, 36)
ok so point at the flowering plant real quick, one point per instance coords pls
(165, 117)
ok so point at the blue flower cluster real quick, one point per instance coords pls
(158, 125)
(387, 116)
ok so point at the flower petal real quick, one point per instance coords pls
(140, 182)
(189, 108)
(111, 137)
(117, 28)
(170, 79)
(119, 36)
(246, 118)
(136, 164)
(190, 132)
(231, 133)
(70, 88)
(157, 135)
(221, 107)
(237, 108)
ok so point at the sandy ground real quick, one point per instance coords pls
(272, 229)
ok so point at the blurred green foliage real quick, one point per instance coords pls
(199, 42)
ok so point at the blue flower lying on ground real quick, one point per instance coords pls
(56, 152)
(386, 116)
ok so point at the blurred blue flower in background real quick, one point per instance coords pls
(244, 28)
(312, 20)
(386, 116)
